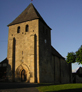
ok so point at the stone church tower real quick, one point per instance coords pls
(31, 58)
(29, 47)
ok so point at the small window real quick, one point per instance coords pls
(22, 52)
(18, 30)
(27, 28)
(22, 58)
(45, 41)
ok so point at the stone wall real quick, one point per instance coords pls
(25, 48)
(46, 72)
(65, 72)
(62, 70)
(57, 70)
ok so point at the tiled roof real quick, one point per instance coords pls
(30, 13)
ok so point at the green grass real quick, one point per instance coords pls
(61, 88)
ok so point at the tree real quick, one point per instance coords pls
(75, 57)
(71, 57)
(79, 55)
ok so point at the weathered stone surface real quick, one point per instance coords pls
(24, 47)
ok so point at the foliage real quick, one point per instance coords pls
(79, 55)
(75, 57)
(61, 88)
(71, 57)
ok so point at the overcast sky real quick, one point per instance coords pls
(63, 16)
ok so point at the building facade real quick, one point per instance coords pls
(31, 58)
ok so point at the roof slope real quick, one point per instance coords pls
(56, 53)
(4, 61)
(30, 13)
(79, 71)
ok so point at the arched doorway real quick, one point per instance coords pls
(23, 75)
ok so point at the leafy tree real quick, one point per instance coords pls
(75, 57)
(79, 55)
(71, 57)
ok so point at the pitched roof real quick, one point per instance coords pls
(56, 53)
(79, 71)
(4, 61)
(30, 13)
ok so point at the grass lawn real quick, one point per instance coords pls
(61, 88)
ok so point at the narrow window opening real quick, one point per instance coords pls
(18, 30)
(27, 28)
(22, 52)
(45, 41)
(22, 58)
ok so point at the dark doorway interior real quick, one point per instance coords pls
(23, 76)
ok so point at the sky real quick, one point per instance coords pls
(63, 16)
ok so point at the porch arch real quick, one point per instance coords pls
(23, 72)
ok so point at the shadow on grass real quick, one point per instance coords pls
(69, 90)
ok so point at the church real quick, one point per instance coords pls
(31, 57)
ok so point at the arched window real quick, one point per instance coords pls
(18, 30)
(27, 28)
